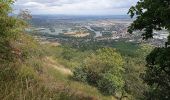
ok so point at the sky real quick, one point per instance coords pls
(75, 7)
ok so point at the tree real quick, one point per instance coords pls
(154, 15)
(15, 45)
(7, 30)
(150, 15)
(158, 74)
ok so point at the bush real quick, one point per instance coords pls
(110, 84)
(103, 70)
(80, 75)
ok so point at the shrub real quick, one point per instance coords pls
(104, 70)
(80, 74)
(110, 84)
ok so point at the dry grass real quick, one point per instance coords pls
(49, 61)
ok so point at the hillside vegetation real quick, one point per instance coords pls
(25, 71)
(30, 70)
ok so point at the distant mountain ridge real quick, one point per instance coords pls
(82, 17)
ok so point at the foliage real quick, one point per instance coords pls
(68, 53)
(110, 84)
(151, 15)
(5, 7)
(107, 64)
(80, 75)
(154, 15)
(157, 73)
(125, 48)
(18, 76)
(134, 84)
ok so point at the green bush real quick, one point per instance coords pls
(68, 53)
(103, 70)
(80, 74)
(110, 84)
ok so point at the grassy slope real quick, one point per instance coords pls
(66, 79)
(41, 81)
(77, 87)
(35, 79)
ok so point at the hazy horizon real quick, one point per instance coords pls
(75, 7)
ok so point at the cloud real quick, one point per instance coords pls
(86, 7)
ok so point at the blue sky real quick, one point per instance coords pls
(76, 7)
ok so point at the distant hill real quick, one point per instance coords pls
(82, 17)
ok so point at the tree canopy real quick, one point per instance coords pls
(150, 15)
(154, 15)
(158, 74)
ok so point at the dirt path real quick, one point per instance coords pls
(51, 62)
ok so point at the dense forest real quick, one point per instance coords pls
(105, 70)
